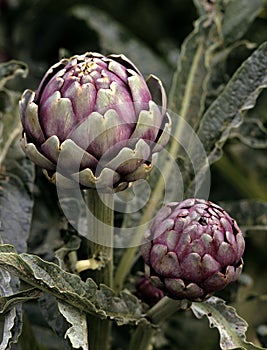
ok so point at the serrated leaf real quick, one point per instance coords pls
(114, 38)
(11, 329)
(86, 296)
(12, 320)
(239, 95)
(77, 333)
(10, 69)
(201, 63)
(187, 94)
(16, 182)
(7, 302)
(251, 133)
(49, 307)
(10, 125)
(232, 328)
(16, 202)
(238, 15)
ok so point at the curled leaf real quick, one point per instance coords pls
(101, 301)
(232, 328)
(10, 69)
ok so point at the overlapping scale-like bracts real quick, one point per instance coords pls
(96, 121)
(193, 249)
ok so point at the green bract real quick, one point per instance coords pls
(95, 120)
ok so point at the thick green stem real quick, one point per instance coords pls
(100, 244)
(155, 201)
(165, 308)
(141, 338)
(128, 257)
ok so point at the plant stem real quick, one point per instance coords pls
(27, 339)
(165, 308)
(141, 338)
(128, 257)
(100, 244)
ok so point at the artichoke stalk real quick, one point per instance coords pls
(94, 120)
(193, 249)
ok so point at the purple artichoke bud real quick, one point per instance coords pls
(147, 292)
(193, 249)
(96, 121)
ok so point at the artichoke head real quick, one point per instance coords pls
(193, 249)
(94, 120)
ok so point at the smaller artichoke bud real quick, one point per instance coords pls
(193, 249)
(96, 121)
(147, 292)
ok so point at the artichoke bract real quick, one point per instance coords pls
(96, 121)
(147, 292)
(193, 249)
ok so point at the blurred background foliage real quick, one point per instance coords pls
(149, 32)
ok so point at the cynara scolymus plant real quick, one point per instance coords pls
(121, 253)
(193, 249)
(94, 119)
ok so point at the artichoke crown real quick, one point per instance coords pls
(96, 121)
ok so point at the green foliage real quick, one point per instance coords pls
(69, 288)
(240, 93)
(231, 327)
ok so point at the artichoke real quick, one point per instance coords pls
(147, 292)
(193, 249)
(96, 121)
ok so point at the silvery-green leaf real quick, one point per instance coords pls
(8, 302)
(187, 94)
(252, 133)
(10, 126)
(11, 328)
(238, 15)
(239, 95)
(232, 328)
(203, 54)
(77, 333)
(11, 324)
(50, 311)
(102, 302)
(10, 69)
(16, 202)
